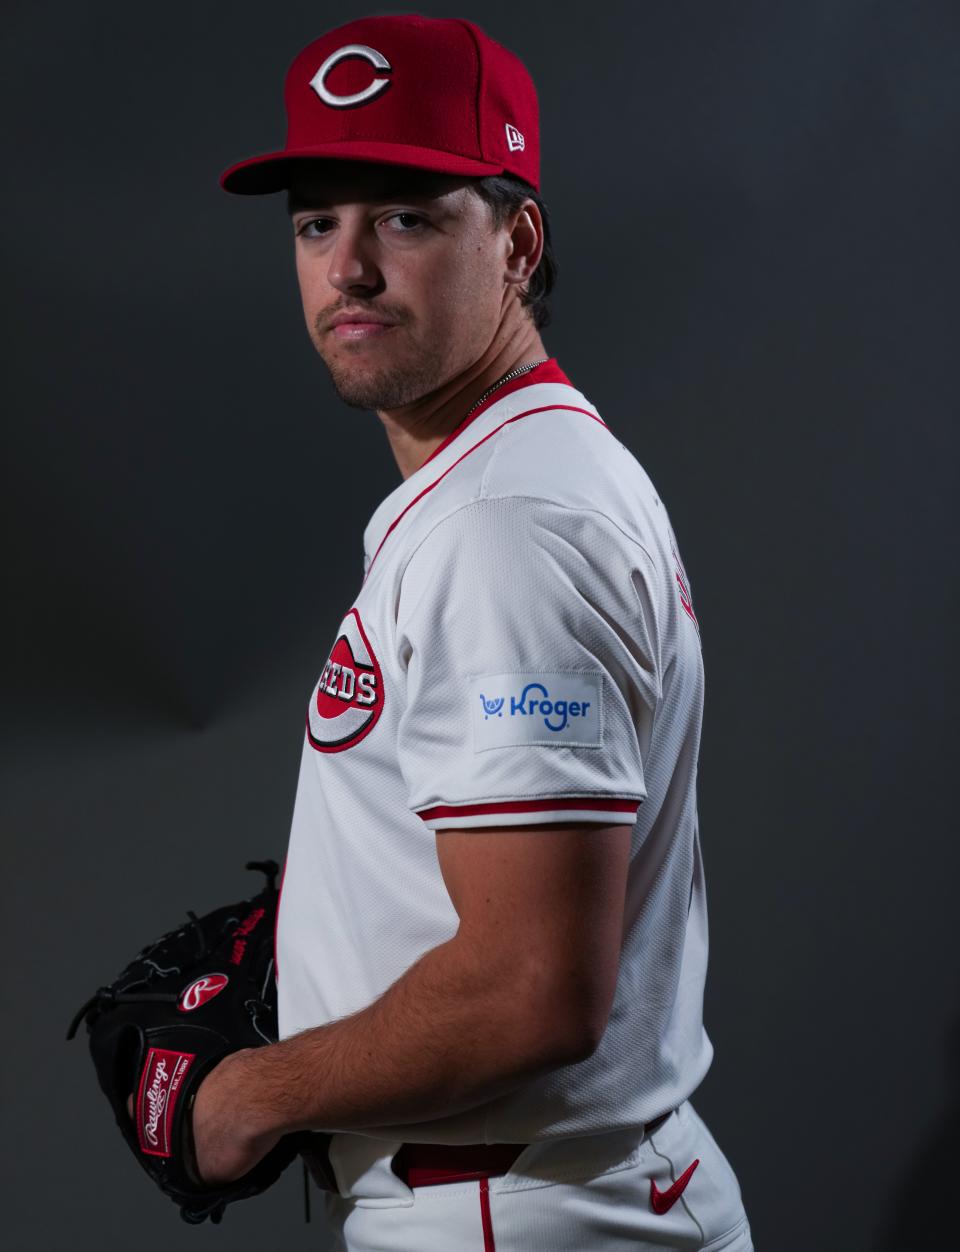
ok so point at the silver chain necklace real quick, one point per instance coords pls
(515, 373)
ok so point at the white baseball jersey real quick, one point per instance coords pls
(523, 650)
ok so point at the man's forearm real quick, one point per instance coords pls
(443, 1038)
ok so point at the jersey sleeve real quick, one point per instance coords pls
(528, 636)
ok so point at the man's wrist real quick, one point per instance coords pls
(268, 1118)
(239, 1081)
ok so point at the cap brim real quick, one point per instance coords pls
(273, 171)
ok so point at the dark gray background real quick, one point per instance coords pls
(755, 209)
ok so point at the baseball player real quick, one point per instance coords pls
(492, 935)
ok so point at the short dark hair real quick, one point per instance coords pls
(504, 193)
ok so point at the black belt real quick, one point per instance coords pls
(427, 1164)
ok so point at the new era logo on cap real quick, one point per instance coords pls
(514, 138)
(429, 93)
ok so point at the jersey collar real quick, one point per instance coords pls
(504, 403)
(547, 372)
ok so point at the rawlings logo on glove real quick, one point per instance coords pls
(199, 992)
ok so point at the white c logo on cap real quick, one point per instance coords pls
(376, 59)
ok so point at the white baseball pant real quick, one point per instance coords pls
(602, 1193)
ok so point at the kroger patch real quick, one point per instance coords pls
(540, 708)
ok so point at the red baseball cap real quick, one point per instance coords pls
(433, 93)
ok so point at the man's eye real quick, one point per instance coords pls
(313, 227)
(407, 222)
(403, 223)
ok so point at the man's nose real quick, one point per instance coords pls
(352, 264)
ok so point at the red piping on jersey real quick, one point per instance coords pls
(548, 372)
(485, 1219)
(543, 408)
(276, 925)
(531, 806)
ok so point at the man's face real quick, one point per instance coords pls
(414, 250)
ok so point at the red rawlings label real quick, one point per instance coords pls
(160, 1085)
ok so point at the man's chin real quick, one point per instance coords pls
(358, 396)
(381, 390)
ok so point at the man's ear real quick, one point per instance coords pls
(526, 243)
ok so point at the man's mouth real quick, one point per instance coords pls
(359, 323)
(361, 330)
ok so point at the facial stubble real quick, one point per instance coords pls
(362, 383)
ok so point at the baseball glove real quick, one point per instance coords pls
(181, 1005)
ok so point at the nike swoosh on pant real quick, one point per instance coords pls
(663, 1201)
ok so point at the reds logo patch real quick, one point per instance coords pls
(348, 699)
(201, 990)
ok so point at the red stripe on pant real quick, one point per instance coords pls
(488, 1244)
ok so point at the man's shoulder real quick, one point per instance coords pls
(547, 448)
(540, 488)
(567, 455)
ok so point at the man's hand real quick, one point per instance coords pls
(230, 1134)
(227, 1140)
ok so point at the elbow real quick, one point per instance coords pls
(571, 1022)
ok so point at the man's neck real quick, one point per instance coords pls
(418, 429)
